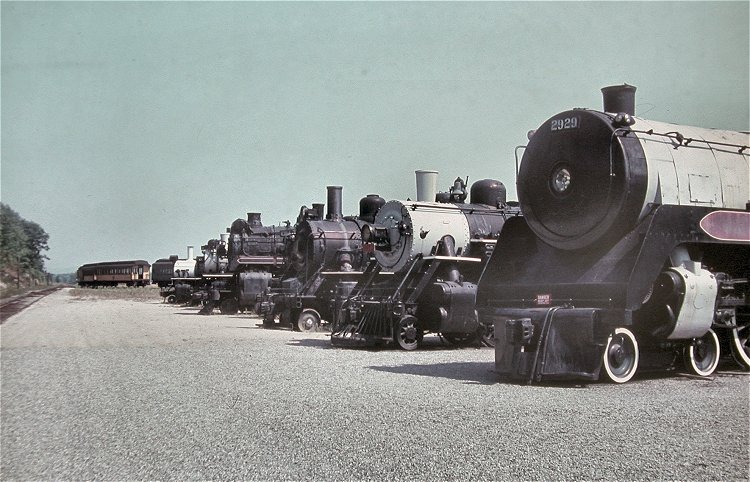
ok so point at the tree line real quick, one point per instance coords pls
(22, 247)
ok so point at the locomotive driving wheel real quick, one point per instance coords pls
(308, 320)
(701, 356)
(740, 344)
(620, 356)
(407, 334)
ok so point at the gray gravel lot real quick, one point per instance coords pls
(115, 389)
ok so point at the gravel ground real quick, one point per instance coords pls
(118, 389)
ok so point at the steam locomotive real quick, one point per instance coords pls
(175, 277)
(634, 249)
(323, 256)
(241, 264)
(426, 258)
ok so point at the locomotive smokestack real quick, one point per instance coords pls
(253, 219)
(619, 98)
(426, 185)
(334, 203)
(190, 252)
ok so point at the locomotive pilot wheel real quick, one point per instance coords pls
(741, 345)
(308, 320)
(620, 356)
(460, 339)
(701, 356)
(407, 334)
(229, 306)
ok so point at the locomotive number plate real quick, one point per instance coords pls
(564, 123)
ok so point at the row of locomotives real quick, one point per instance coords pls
(112, 273)
(633, 250)
(426, 257)
(176, 277)
(325, 258)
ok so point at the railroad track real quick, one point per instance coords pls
(19, 303)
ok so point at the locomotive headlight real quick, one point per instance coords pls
(561, 180)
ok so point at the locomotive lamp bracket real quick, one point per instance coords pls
(520, 331)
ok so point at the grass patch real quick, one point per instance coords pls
(11, 292)
(148, 293)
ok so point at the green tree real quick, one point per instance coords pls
(22, 244)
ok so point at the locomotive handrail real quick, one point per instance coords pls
(470, 210)
(414, 263)
(453, 258)
(684, 141)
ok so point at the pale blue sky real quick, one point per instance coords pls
(130, 130)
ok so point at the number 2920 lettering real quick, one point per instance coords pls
(566, 123)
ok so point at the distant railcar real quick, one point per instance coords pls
(112, 273)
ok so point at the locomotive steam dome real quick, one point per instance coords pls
(579, 183)
(489, 192)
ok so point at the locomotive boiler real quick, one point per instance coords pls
(634, 247)
(325, 254)
(434, 252)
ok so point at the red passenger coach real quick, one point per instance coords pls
(111, 273)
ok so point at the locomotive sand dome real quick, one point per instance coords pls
(588, 177)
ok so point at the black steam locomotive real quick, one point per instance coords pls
(634, 249)
(323, 256)
(242, 264)
(426, 258)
